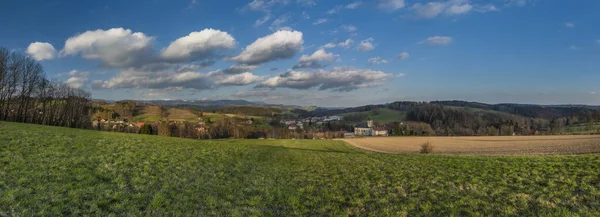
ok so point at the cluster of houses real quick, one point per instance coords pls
(300, 123)
(369, 128)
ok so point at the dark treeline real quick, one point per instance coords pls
(27, 96)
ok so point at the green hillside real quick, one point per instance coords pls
(51, 171)
(381, 115)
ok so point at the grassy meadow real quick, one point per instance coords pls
(51, 171)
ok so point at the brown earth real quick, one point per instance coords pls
(485, 145)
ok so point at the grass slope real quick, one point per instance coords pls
(54, 171)
(380, 115)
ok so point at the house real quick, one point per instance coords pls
(348, 135)
(369, 129)
(140, 124)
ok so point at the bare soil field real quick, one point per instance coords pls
(485, 145)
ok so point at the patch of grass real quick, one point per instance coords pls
(53, 171)
(380, 115)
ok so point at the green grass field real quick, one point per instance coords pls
(381, 115)
(52, 171)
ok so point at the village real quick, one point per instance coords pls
(316, 127)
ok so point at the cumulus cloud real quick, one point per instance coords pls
(239, 79)
(391, 5)
(198, 45)
(377, 60)
(403, 55)
(318, 59)
(437, 40)
(115, 47)
(346, 44)
(320, 21)
(338, 79)
(279, 45)
(41, 51)
(366, 45)
(76, 79)
(186, 79)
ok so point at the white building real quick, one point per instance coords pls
(369, 129)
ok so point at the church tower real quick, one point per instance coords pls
(370, 123)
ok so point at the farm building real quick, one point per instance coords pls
(369, 129)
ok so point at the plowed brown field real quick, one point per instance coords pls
(486, 145)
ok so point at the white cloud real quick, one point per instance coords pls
(377, 60)
(366, 45)
(403, 55)
(598, 41)
(77, 79)
(459, 9)
(346, 44)
(279, 45)
(318, 59)
(431, 10)
(329, 45)
(391, 4)
(76, 82)
(116, 47)
(198, 45)
(261, 5)
(320, 21)
(239, 79)
(338, 79)
(263, 20)
(41, 51)
(428, 10)
(437, 40)
(354, 5)
(182, 79)
(593, 93)
(569, 25)
(349, 28)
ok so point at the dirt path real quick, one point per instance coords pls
(486, 145)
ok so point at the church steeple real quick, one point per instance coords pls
(370, 122)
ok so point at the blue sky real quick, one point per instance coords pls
(315, 52)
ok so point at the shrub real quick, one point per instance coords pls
(146, 129)
(426, 148)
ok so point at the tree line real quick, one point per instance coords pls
(28, 96)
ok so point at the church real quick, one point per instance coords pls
(369, 129)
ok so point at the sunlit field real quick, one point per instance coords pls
(484, 145)
(51, 171)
